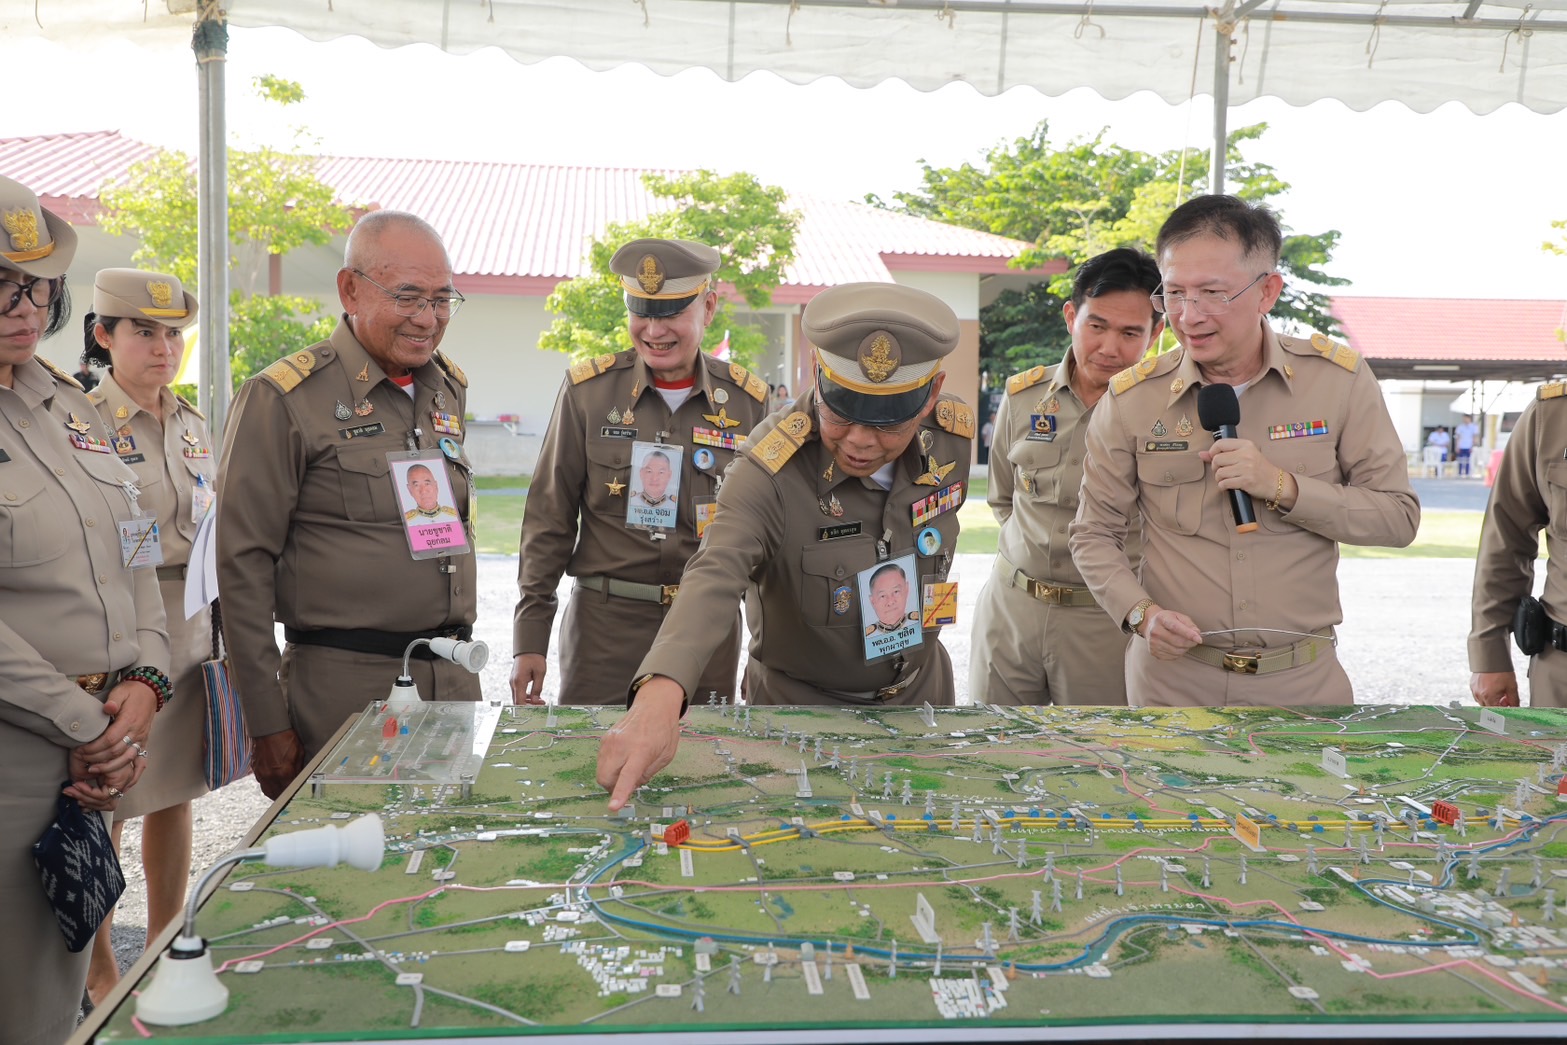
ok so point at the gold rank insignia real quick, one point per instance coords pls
(1183, 428)
(721, 419)
(1176, 386)
(1289, 371)
(364, 373)
(122, 413)
(1052, 407)
(615, 487)
(628, 418)
(934, 472)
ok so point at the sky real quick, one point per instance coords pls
(1443, 204)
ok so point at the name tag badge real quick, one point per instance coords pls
(1160, 446)
(889, 608)
(653, 502)
(617, 432)
(361, 431)
(140, 545)
(430, 519)
(939, 604)
(1041, 428)
(705, 510)
(839, 531)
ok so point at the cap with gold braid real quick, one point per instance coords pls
(661, 277)
(139, 294)
(878, 348)
(33, 241)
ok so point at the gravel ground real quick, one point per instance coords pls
(1402, 642)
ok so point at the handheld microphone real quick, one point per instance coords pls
(1218, 411)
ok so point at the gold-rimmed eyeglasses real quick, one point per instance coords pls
(406, 304)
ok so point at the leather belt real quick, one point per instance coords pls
(379, 643)
(1044, 591)
(887, 692)
(1267, 661)
(172, 573)
(97, 681)
(663, 594)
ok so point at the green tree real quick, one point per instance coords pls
(276, 203)
(1087, 197)
(744, 220)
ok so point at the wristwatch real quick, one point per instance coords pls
(1134, 619)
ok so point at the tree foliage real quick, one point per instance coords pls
(1089, 196)
(276, 203)
(744, 220)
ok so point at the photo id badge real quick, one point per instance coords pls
(429, 508)
(705, 509)
(140, 544)
(889, 610)
(653, 502)
(938, 602)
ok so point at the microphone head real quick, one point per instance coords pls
(1217, 407)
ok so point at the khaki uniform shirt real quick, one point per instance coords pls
(801, 533)
(575, 519)
(1315, 410)
(310, 527)
(1530, 492)
(169, 455)
(69, 606)
(1036, 477)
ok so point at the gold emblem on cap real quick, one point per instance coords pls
(880, 356)
(162, 293)
(23, 228)
(650, 274)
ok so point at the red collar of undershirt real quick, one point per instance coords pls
(402, 382)
(673, 385)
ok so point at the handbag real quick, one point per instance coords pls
(225, 745)
(80, 871)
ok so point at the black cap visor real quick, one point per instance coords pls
(875, 410)
(658, 308)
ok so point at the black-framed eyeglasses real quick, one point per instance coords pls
(1206, 302)
(406, 304)
(41, 292)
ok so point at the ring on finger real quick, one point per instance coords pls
(127, 739)
(115, 792)
(142, 753)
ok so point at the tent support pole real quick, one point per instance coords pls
(1223, 43)
(210, 42)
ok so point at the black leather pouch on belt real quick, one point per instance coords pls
(1531, 627)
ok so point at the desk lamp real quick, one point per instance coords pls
(471, 655)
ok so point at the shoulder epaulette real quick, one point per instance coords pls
(1334, 352)
(189, 406)
(580, 372)
(775, 448)
(60, 375)
(956, 416)
(754, 386)
(1554, 390)
(1027, 379)
(1135, 374)
(289, 371)
(453, 371)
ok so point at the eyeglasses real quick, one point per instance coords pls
(40, 292)
(404, 304)
(1206, 302)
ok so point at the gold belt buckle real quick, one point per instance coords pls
(1042, 591)
(1241, 663)
(93, 683)
(667, 593)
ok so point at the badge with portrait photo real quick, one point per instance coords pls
(430, 518)
(653, 502)
(889, 610)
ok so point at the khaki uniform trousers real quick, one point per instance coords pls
(604, 637)
(325, 687)
(1548, 679)
(1025, 651)
(933, 684)
(1188, 683)
(40, 981)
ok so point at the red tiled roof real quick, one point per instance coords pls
(1453, 329)
(528, 226)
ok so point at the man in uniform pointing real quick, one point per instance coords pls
(867, 468)
(679, 412)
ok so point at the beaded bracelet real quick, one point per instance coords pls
(154, 680)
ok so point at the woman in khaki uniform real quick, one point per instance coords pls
(83, 652)
(136, 329)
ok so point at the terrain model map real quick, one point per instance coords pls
(976, 869)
